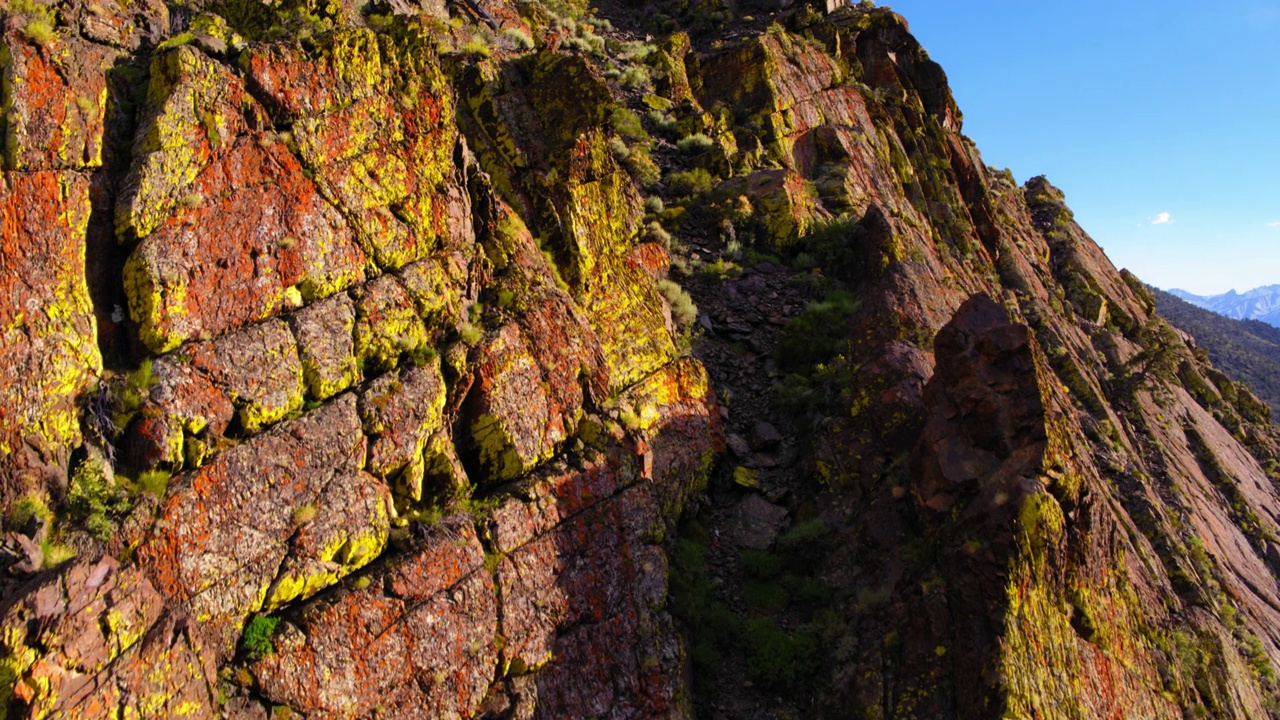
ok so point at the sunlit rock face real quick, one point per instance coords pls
(362, 360)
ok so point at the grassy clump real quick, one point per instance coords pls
(94, 500)
(256, 639)
(816, 335)
(683, 310)
(688, 183)
(695, 144)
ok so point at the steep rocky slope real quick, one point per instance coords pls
(346, 379)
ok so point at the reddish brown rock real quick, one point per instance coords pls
(420, 635)
(223, 530)
(403, 414)
(257, 369)
(325, 346)
(56, 100)
(250, 237)
(387, 324)
(48, 356)
(96, 639)
(372, 121)
(528, 393)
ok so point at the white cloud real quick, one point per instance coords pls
(1275, 224)
(1162, 219)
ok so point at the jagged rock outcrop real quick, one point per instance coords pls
(339, 348)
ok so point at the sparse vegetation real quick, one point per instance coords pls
(689, 182)
(695, 144)
(256, 639)
(683, 310)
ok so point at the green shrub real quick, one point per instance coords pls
(817, 334)
(94, 500)
(778, 659)
(639, 164)
(154, 482)
(690, 182)
(27, 508)
(476, 47)
(654, 232)
(634, 78)
(256, 639)
(683, 311)
(517, 39)
(653, 205)
(666, 124)
(695, 144)
(627, 124)
(38, 21)
(833, 247)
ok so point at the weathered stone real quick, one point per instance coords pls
(325, 345)
(387, 324)
(96, 639)
(250, 237)
(193, 111)
(343, 530)
(48, 356)
(224, 529)
(528, 393)
(258, 370)
(403, 413)
(371, 122)
(420, 636)
(55, 101)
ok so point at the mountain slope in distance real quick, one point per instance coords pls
(1247, 350)
(1261, 303)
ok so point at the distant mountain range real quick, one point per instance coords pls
(1258, 304)
(1246, 350)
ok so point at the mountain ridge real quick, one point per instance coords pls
(1261, 303)
(632, 361)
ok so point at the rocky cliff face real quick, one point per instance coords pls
(345, 378)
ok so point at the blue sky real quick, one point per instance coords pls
(1160, 122)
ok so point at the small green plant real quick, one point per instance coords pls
(470, 334)
(94, 500)
(55, 553)
(639, 164)
(690, 182)
(27, 508)
(635, 77)
(517, 39)
(39, 21)
(476, 47)
(304, 514)
(683, 310)
(256, 639)
(666, 124)
(154, 482)
(654, 232)
(695, 144)
(627, 124)
(653, 205)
